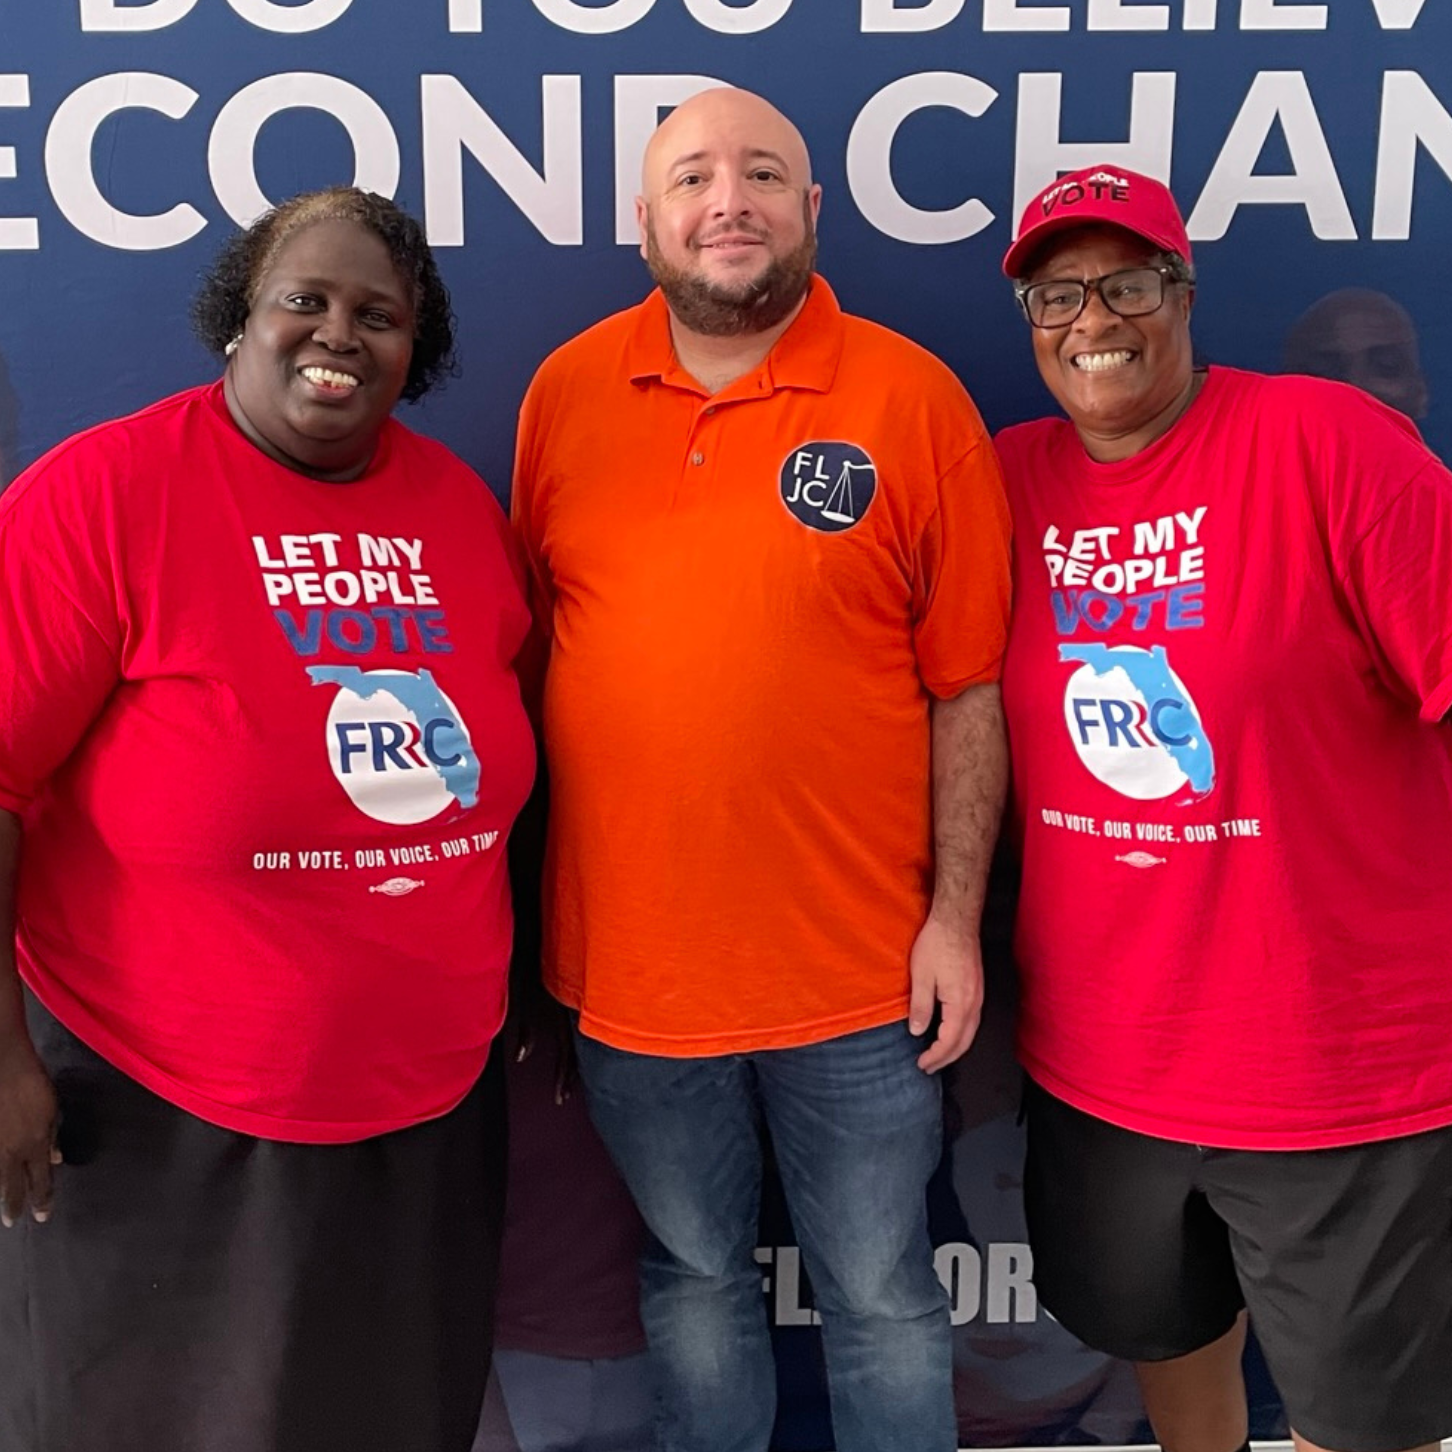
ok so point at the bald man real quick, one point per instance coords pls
(768, 546)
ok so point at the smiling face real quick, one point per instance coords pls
(728, 213)
(1122, 381)
(325, 352)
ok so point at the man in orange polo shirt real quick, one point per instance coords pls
(769, 546)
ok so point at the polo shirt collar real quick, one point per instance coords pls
(805, 356)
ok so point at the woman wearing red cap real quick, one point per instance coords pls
(1230, 661)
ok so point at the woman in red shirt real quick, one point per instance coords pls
(261, 746)
(1226, 683)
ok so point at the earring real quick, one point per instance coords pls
(233, 345)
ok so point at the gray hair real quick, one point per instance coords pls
(1181, 269)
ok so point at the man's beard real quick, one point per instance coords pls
(718, 310)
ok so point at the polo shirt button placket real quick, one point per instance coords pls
(697, 457)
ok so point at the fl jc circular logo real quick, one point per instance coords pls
(828, 486)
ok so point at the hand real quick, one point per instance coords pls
(546, 1028)
(946, 969)
(28, 1153)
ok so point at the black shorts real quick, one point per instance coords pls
(1148, 1249)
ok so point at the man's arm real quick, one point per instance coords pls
(970, 782)
(27, 1101)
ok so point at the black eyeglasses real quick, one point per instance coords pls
(1129, 294)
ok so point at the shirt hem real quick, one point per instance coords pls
(1436, 706)
(226, 1116)
(745, 1041)
(13, 803)
(946, 690)
(1219, 1137)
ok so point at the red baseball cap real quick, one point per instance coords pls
(1110, 194)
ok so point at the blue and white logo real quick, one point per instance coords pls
(397, 745)
(1134, 724)
(828, 486)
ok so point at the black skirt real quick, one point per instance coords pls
(199, 1290)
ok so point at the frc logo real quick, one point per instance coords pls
(1134, 724)
(396, 744)
(828, 486)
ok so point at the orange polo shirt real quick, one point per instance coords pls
(752, 599)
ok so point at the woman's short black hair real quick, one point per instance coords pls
(220, 308)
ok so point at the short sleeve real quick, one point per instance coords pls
(524, 502)
(60, 618)
(517, 629)
(1398, 578)
(509, 544)
(962, 573)
(1385, 502)
(528, 531)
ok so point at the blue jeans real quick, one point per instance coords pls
(857, 1131)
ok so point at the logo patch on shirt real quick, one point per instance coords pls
(397, 744)
(397, 886)
(1134, 724)
(828, 486)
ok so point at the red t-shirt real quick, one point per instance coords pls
(267, 745)
(1226, 657)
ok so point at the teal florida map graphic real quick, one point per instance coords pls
(375, 748)
(1133, 722)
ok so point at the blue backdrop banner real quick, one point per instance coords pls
(1309, 144)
